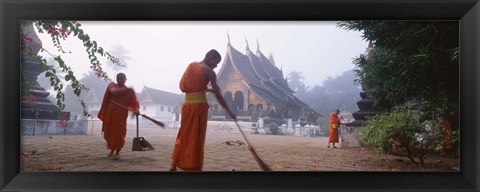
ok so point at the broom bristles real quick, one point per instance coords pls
(154, 121)
(257, 158)
(260, 162)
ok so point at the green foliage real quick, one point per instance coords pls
(325, 128)
(274, 128)
(402, 129)
(410, 61)
(95, 84)
(379, 131)
(25, 89)
(59, 30)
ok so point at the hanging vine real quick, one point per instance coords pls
(60, 31)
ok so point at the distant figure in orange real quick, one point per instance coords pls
(114, 117)
(447, 138)
(188, 151)
(334, 125)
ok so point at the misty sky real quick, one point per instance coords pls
(160, 51)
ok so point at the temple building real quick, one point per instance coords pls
(160, 105)
(157, 104)
(254, 87)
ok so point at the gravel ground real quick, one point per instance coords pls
(282, 153)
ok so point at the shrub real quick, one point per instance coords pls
(274, 128)
(401, 129)
(325, 129)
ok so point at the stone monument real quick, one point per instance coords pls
(38, 106)
(350, 132)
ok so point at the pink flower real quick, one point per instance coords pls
(83, 87)
(30, 99)
(63, 122)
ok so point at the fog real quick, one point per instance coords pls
(157, 52)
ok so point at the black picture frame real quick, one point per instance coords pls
(465, 11)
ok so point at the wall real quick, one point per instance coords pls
(51, 127)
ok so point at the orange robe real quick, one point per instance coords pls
(189, 145)
(333, 136)
(114, 117)
(446, 140)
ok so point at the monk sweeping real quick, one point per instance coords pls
(114, 117)
(189, 145)
(334, 125)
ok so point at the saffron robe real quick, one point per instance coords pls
(114, 117)
(446, 140)
(188, 151)
(334, 121)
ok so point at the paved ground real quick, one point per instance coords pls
(282, 153)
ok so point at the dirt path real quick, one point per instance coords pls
(282, 153)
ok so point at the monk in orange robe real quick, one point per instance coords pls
(447, 137)
(334, 125)
(114, 117)
(188, 151)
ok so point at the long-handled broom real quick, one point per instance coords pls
(140, 143)
(162, 125)
(260, 162)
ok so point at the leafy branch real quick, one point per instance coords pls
(58, 31)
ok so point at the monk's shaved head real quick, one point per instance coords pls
(213, 54)
(212, 58)
(121, 78)
(121, 74)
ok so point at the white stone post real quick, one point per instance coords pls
(283, 129)
(297, 130)
(260, 122)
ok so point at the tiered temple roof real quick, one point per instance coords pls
(261, 75)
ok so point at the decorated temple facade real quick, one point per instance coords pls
(254, 87)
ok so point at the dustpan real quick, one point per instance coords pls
(140, 143)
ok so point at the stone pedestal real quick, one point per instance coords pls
(283, 129)
(350, 133)
(290, 131)
(260, 122)
(289, 123)
(38, 106)
(297, 130)
(350, 136)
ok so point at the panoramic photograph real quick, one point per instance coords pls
(310, 96)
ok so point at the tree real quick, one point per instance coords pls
(295, 81)
(45, 82)
(60, 30)
(341, 84)
(121, 53)
(93, 83)
(73, 102)
(335, 93)
(411, 61)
